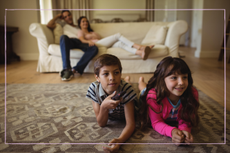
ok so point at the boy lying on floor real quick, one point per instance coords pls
(107, 70)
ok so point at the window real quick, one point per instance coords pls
(46, 15)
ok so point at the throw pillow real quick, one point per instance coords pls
(70, 31)
(155, 35)
(58, 32)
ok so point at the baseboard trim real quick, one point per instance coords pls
(28, 56)
(207, 54)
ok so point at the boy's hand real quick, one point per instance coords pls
(177, 136)
(108, 103)
(114, 147)
(188, 137)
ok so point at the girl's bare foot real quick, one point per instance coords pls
(141, 84)
(127, 79)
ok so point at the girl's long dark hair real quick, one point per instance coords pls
(190, 105)
(79, 22)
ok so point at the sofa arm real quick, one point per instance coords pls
(176, 29)
(44, 36)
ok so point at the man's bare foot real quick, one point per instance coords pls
(127, 79)
(141, 84)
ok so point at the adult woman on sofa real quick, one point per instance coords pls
(87, 35)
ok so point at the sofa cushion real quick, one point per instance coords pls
(55, 50)
(157, 51)
(155, 35)
(68, 30)
(58, 31)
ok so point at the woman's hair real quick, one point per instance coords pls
(166, 67)
(106, 60)
(79, 23)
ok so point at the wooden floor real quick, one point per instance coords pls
(208, 75)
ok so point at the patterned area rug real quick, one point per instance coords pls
(51, 118)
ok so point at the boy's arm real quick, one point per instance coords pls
(101, 114)
(127, 131)
(102, 111)
(130, 122)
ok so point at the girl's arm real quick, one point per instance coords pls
(127, 131)
(158, 122)
(156, 118)
(81, 37)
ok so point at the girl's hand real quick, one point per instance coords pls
(177, 136)
(113, 148)
(91, 43)
(188, 137)
(108, 103)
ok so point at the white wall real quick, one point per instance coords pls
(118, 4)
(46, 15)
(210, 29)
(197, 21)
(24, 44)
(172, 15)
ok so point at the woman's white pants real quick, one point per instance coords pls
(118, 41)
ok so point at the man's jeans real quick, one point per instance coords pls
(67, 43)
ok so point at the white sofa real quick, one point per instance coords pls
(164, 35)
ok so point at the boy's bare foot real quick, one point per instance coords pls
(127, 79)
(141, 84)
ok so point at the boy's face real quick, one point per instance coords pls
(110, 78)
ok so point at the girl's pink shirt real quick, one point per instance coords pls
(158, 120)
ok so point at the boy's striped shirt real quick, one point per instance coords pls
(97, 94)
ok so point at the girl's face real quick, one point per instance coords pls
(176, 85)
(84, 23)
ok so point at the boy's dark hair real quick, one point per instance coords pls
(106, 60)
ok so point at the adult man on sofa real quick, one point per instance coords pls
(67, 43)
